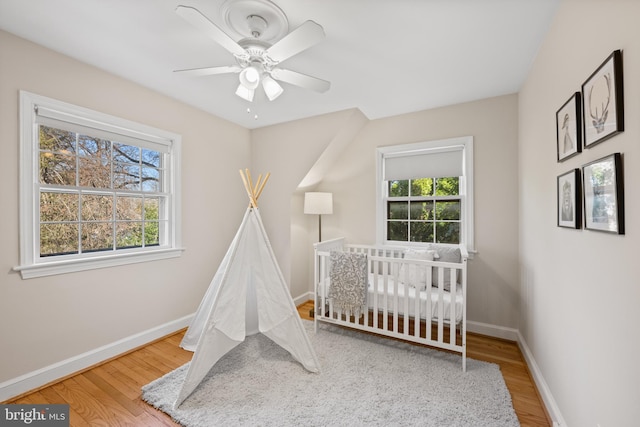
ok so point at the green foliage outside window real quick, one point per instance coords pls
(424, 210)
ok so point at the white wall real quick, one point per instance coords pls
(581, 289)
(290, 149)
(493, 273)
(47, 320)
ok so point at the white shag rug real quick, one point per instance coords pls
(364, 380)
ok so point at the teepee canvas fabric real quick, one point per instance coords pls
(247, 295)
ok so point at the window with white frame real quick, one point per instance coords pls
(95, 190)
(425, 193)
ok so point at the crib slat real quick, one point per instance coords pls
(452, 305)
(396, 303)
(440, 304)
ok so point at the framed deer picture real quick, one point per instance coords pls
(603, 101)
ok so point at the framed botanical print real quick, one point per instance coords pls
(569, 128)
(602, 95)
(569, 205)
(604, 194)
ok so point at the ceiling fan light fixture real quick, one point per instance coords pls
(245, 93)
(271, 88)
(250, 77)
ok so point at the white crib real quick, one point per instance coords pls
(433, 315)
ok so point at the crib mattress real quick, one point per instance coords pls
(380, 296)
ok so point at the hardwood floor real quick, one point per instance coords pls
(109, 394)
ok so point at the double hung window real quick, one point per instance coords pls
(96, 190)
(425, 193)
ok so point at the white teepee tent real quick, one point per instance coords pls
(247, 295)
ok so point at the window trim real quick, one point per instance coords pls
(31, 265)
(466, 185)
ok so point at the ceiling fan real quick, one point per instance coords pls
(258, 60)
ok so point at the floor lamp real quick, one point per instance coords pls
(318, 204)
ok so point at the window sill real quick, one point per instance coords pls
(51, 268)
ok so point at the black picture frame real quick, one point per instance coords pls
(569, 128)
(569, 193)
(603, 194)
(603, 102)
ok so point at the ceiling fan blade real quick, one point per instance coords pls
(299, 79)
(303, 37)
(209, 71)
(198, 20)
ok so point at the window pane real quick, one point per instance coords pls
(126, 153)
(398, 230)
(448, 232)
(94, 148)
(57, 140)
(128, 235)
(94, 173)
(449, 210)
(421, 231)
(422, 187)
(399, 188)
(151, 233)
(397, 210)
(151, 206)
(150, 158)
(97, 236)
(58, 239)
(97, 207)
(128, 208)
(421, 210)
(58, 207)
(447, 186)
(57, 169)
(150, 179)
(126, 176)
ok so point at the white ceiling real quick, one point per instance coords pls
(383, 57)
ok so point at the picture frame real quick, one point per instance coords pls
(569, 194)
(569, 128)
(603, 102)
(603, 194)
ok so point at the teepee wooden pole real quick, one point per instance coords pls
(253, 191)
(266, 178)
(247, 187)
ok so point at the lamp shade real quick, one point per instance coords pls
(245, 93)
(271, 88)
(318, 203)
(250, 78)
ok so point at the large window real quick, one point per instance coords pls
(425, 193)
(96, 190)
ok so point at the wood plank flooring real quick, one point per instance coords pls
(109, 394)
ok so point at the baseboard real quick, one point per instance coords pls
(492, 330)
(541, 384)
(308, 296)
(33, 380)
